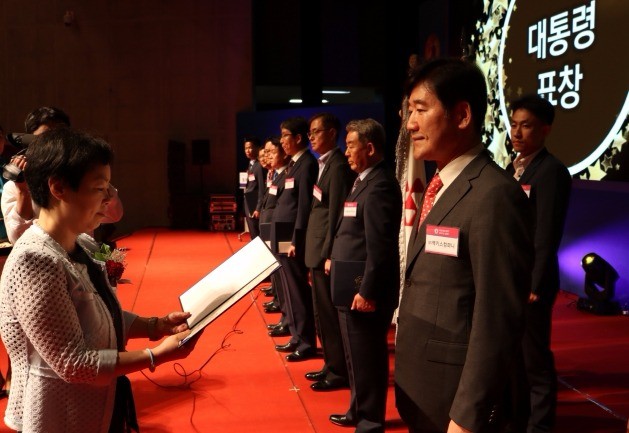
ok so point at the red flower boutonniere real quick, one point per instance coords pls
(114, 262)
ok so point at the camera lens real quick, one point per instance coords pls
(20, 140)
(12, 172)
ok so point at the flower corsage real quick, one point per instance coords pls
(114, 260)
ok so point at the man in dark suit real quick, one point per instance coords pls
(332, 187)
(461, 315)
(292, 210)
(367, 233)
(256, 185)
(277, 161)
(548, 184)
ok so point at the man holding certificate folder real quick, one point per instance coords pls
(365, 274)
(290, 220)
(332, 187)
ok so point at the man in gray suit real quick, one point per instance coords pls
(461, 315)
(332, 187)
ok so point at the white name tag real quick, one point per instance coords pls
(527, 190)
(317, 193)
(252, 177)
(442, 240)
(273, 190)
(242, 177)
(350, 209)
(289, 183)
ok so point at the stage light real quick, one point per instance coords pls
(600, 285)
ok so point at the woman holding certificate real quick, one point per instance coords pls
(63, 327)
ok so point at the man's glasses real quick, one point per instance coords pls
(315, 132)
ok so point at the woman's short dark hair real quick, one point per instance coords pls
(63, 154)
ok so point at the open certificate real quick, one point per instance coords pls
(225, 285)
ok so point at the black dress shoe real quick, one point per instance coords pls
(268, 304)
(280, 331)
(268, 289)
(329, 385)
(342, 420)
(316, 376)
(288, 347)
(272, 309)
(270, 326)
(298, 355)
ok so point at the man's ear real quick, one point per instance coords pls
(463, 114)
(57, 188)
(371, 150)
(546, 130)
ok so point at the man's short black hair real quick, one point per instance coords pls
(297, 126)
(538, 106)
(255, 141)
(453, 80)
(328, 120)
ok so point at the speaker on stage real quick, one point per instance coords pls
(200, 152)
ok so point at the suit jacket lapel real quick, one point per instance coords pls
(448, 200)
(361, 186)
(279, 179)
(335, 154)
(532, 167)
(295, 166)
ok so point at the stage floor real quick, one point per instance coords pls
(235, 381)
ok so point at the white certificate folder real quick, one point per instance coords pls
(225, 285)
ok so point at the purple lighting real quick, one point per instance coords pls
(598, 222)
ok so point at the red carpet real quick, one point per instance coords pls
(246, 386)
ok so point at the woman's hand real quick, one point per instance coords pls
(172, 323)
(171, 350)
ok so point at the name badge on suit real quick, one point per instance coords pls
(350, 209)
(317, 193)
(442, 240)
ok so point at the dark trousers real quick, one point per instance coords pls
(254, 227)
(299, 309)
(327, 321)
(279, 297)
(540, 365)
(367, 356)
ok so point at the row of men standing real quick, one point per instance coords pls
(481, 265)
(342, 209)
